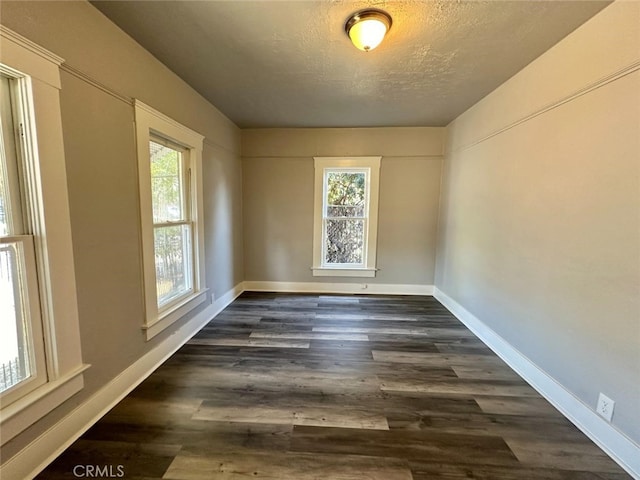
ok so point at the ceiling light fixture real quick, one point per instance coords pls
(367, 28)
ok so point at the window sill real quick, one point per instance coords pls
(343, 272)
(23, 413)
(175, 313)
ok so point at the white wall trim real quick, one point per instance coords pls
(52, 301)
(344, 272)
(20, 415)
(152, 125)
(352, 288)
(24, 42)
(175, 313)
(577, 93)
(368, 166)
(616, 444)
(43, 450)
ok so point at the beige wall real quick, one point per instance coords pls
(539, 235)
(104, 70)
(278, 200)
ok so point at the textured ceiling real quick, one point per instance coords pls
(290, 63)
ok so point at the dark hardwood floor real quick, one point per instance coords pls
(328, 387)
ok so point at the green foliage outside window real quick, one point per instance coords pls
(172, 243)
(345, 211)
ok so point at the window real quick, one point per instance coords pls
(22, 354)
(172, 225)
(170, 170)
(346, 216)
(40, 358)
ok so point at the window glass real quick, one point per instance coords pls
(10, 200)
(15, 345)
(17, 355)
(171, 215)
(345, 215)
(172, 229)
(173, 262)
(167, 183)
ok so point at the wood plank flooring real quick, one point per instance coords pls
(328, 387)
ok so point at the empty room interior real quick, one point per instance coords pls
(347, 239)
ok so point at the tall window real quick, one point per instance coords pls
(346, 209)
(40, 357)
(172, 226)
(22, 366)
(170, 173)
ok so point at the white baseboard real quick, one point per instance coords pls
(43, 450)
(615, 443)
(351, 288)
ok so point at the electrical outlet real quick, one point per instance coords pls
(605, 407)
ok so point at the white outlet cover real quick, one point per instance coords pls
(605, 407)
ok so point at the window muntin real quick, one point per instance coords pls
(345, 216)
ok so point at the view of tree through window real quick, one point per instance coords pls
(345, 217)
(172, 226)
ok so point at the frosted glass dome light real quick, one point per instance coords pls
(367, 28)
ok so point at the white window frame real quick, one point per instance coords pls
(371, 167)
(37, 72)
(152, 124)
(185, 202)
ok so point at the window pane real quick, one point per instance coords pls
(5, 120)
(166, 183)
(10, 203)
(15, 359)
(345, 188)
(344, 241)
(173, 262)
